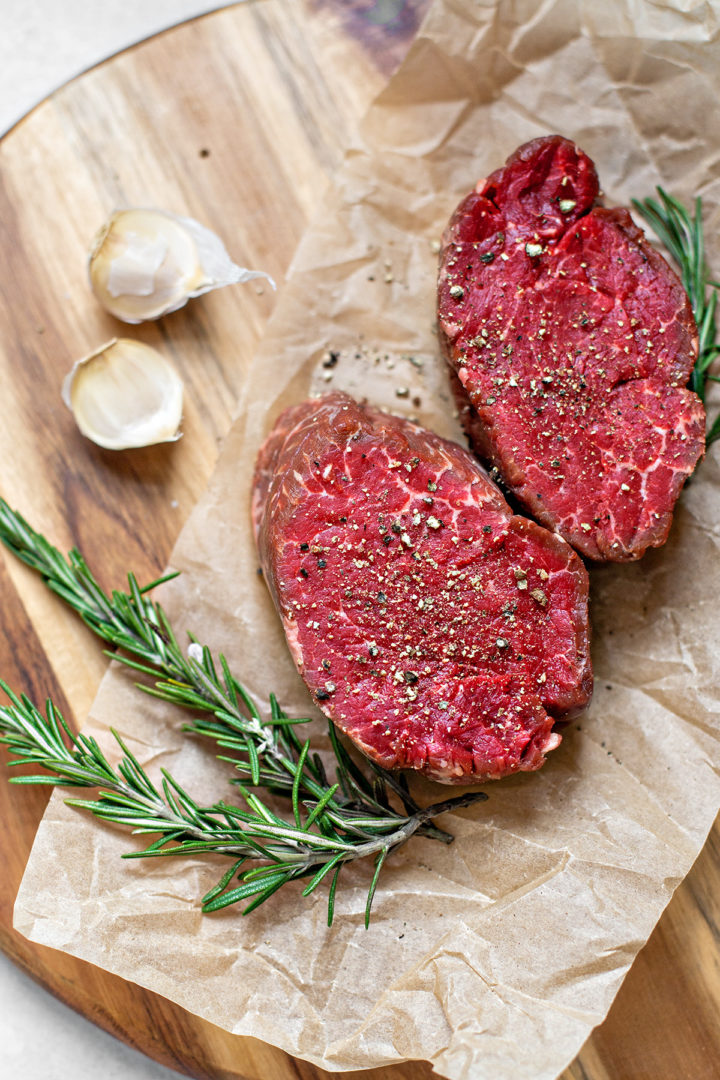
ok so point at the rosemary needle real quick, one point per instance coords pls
(682, 234)
(332, 823)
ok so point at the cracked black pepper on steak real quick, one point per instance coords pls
(570, 341)
(434, 627)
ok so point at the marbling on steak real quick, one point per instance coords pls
(573, 340)
(436, 629)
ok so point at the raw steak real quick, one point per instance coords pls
(573, 340)
(436, 629)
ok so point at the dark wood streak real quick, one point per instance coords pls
(385, 28)
(23, 661)
(308, 89)
(702, 903)
(577, 1072)
(98, 520)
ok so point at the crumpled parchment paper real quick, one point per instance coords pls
(495, 957)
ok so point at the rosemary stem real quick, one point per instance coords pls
(332, 823)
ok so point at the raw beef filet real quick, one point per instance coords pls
(573, 340)
(435, 628)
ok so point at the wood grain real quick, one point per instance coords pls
(239, 119)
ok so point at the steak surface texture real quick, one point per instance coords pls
(572, 339)
(435, 628)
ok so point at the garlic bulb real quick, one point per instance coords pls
(125, 394)
(147, 263)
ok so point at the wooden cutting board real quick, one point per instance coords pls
(239, 119)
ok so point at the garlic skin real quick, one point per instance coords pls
(125, 395)
(147, 263)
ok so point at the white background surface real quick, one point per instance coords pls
(43, 43)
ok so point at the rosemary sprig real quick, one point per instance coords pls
(682, 234)
(280, 852)
(265, 753)
(348, 819)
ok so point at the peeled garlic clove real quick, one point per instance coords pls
(147, 263)
(125, 394)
